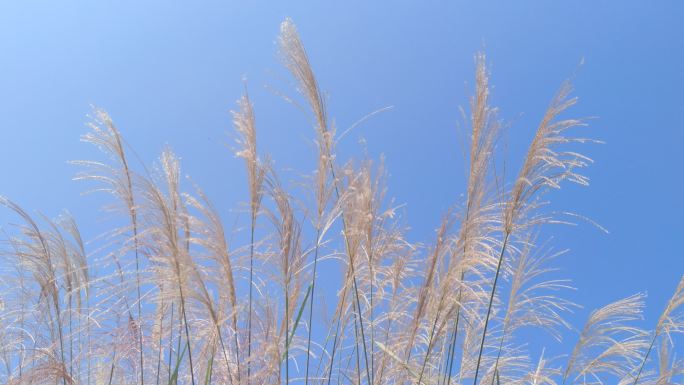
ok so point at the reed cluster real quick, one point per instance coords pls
(173, 297)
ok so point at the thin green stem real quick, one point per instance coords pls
(498, 355)
(360, 317)
(643, 362)
(187, 333)
(356, 349)
(59, 331)
(337, 333)
(353, 272)
(429, 349)
(111, 370)
(452, 348)
(313, 287)
(489, 308)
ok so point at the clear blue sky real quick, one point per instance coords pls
(169, 74)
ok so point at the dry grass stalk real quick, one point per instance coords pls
(245, 125)
(246, 312)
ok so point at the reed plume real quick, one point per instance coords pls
(245, 125)
(331, 288)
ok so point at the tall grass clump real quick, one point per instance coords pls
(172, 296)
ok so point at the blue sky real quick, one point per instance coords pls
(169, 74)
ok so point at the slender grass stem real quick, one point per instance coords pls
(452, 351)
(363, 336)
(140, 324)
(237, 347)
(89, 340)
(370, 315)
(59, 329)
(287, 332)
(161, 333)
(249, 314)
(489, 308)
(356, 349)
(171, 341)
(498, 355)
(427, 353)
(430, 345)
(353, 272)
(337, 333)
(71, 340)
(313, 288)
(111, 370)
(179, 354)
(643, 362)
(332, 328)
(225, 354)
(448, 362)
(187, 333)
(134, 221)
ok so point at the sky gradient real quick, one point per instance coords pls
(169, 75)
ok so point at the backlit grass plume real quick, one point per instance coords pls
(320, 286)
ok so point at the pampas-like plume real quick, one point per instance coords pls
(291, 259)
(211, 236)
(473, 245)
(533, 300)
(296, 60)
(167, 238)
(544, 167)
(608, 343)
(36, 254)
(670, 320)
(118, 181)
(245, 125)
(401, 312)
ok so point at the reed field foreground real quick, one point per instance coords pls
(173, 298)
